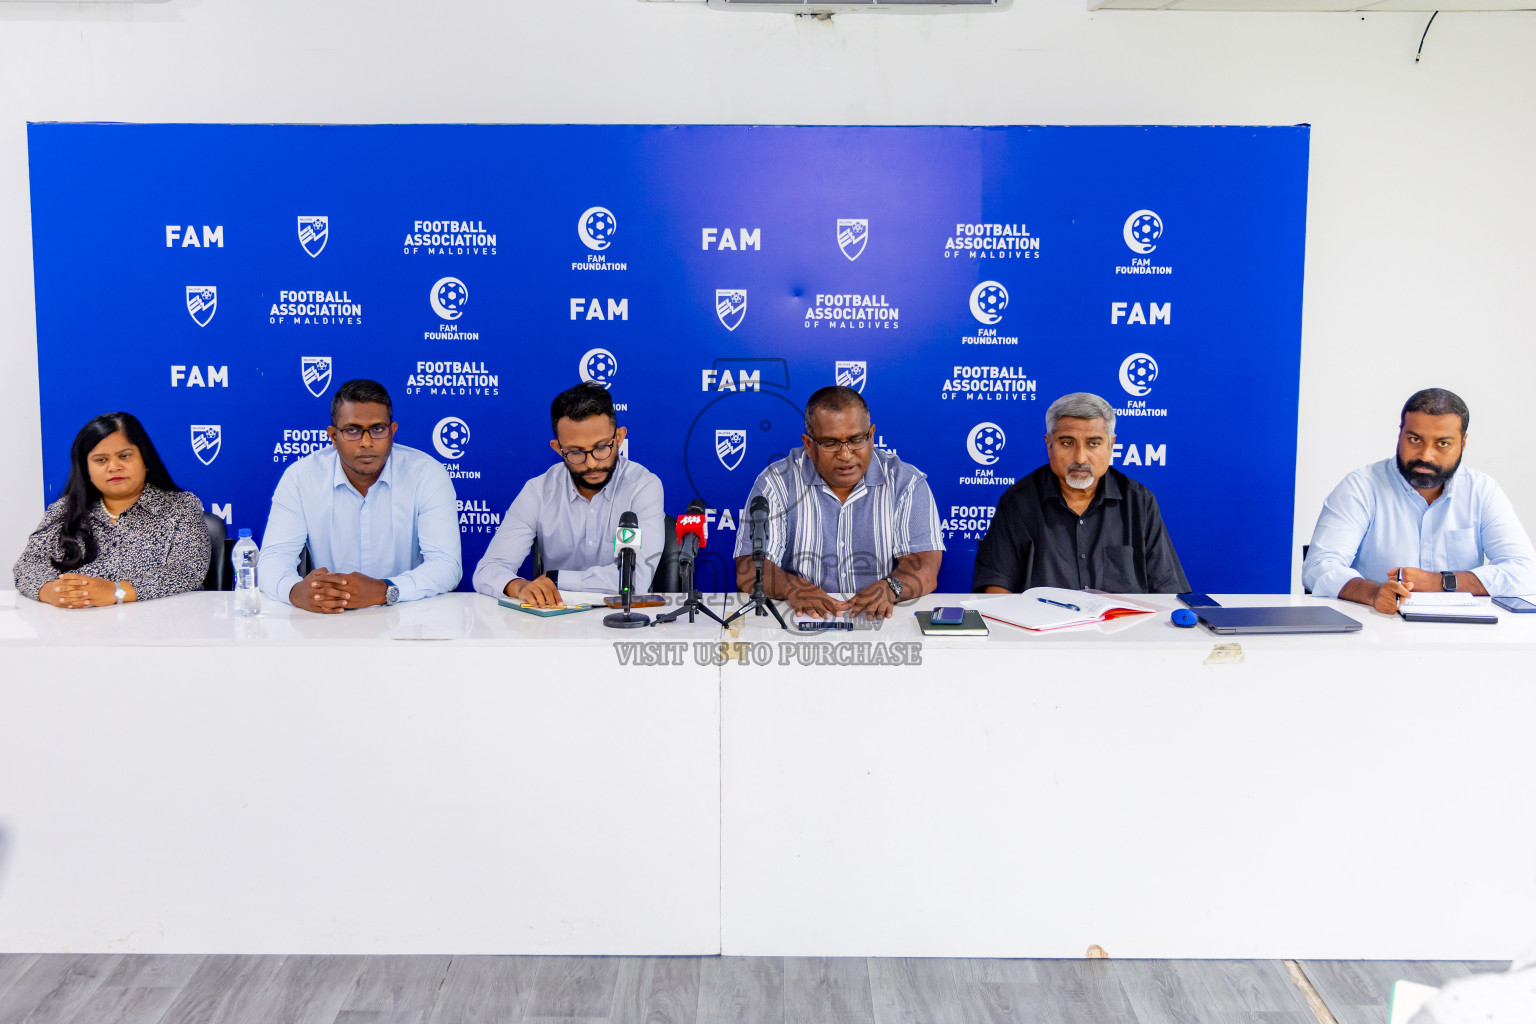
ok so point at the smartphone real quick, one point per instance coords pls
(1197, 600)
(948, 616)
(1515, 604)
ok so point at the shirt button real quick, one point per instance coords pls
(1082, 556)
(1079, 522)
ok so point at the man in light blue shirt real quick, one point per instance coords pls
(381, 520)
(573, 508)
(1420, 522)
(843, 517)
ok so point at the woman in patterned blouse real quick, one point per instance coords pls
(122, 531)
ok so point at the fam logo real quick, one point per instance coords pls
(618, 309)
(988, 300)
(730, 447)
(853, 311)
(989, 384)
(207, 438)
(202, 303)
(1141, 232)
(731, 306)
(1129, 313)
(194, 377)
(449, 238)
(315, 371)
(985, 444)
(213, 236)
(315, 307)
(456, 379)
(448, 297)
(450, 437)
(852, 373)
(852, 236)
(1137, 372)
(596, 228)
(723, 239)
(992, 242)
(968, 522)
(314, 232)
(598, 366)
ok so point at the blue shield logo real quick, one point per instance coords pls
(730, 306)
(314, 232)
(730, 447)
(316, 371)
(206, 440)
(852, 374)
(851, 236)
(202, 303)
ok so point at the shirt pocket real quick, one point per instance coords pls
(1461, 550)
(1117, 570)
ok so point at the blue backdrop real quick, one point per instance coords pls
(220, 280)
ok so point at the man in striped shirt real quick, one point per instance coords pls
(844, 518)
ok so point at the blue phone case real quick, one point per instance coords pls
(948, 616)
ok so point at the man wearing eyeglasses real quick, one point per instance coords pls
(844, 518)
(573, 508)
(381, 520)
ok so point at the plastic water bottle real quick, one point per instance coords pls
(244, 555)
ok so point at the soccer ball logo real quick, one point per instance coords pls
(597, 227)
(1142, 230)
(450, 437)
(1137, 373)
(985, 443)
(449, 297)
(599, 366)
(988, 300)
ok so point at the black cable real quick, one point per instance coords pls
(1423, 37)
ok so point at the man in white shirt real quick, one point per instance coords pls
(1420, 522)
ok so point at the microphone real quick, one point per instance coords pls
(692, 531)
(626, 549)
(757, 512)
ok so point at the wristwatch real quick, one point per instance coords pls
(119, 592)
(895, 585)
(1448, 582)
(554, 576)
(391, 592)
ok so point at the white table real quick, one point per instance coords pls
(176, 779)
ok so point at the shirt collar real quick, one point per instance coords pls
(873, 477)
(1108, 489)
(1408, 488)
(386, 475)
(606, 494)
(150, 501)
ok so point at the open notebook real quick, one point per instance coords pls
(1440, 607)
(1043, 608)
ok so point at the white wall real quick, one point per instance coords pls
(1421, 199)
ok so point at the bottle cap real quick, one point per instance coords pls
(245, 531)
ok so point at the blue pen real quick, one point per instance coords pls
(1058, 604)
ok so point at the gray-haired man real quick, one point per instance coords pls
(1076, 522)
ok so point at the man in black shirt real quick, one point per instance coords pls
(1075, 522)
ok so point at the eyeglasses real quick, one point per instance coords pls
(577, 456)
(379, 431)
(832, 446)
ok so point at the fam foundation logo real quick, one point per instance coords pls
(989, 384)
(202, 303)
(315, 372)
(596, 227)
(450, 437)
(314, 232)
(1137, 373)
(1142, 231)
(598, 366)
(207, 439)
(730, 306)
(984, 444)
(477, 516)
(967, 522)
(332, 308)
(851, 237)
(455, 379)
(852, 373)
(987, 303)
(730, 447)
(992, 242)
(448, 296)
(297, 442)
(447, 237)
(853, 311)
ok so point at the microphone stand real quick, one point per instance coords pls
(626, 619)
(694, 602)
(758, 600)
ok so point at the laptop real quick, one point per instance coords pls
(1286, 619)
